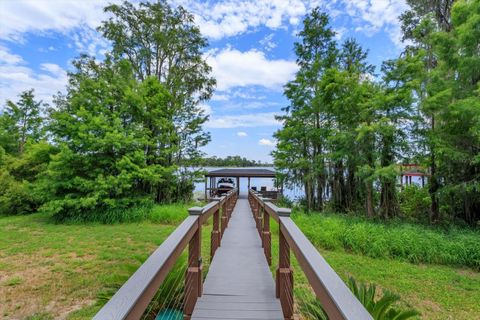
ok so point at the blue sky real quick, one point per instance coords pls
(251, 53)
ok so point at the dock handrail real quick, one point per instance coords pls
(133, 298)
(336, 299)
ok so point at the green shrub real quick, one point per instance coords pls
(169, 213)
(382, 308)
(136, 213)
(381, 305)
(19, 177)
(414, 203)
(285, 202)
(16, 197)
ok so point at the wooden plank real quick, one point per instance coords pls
(239, 284)
(237, 306)
(236, 299)
(237, 314)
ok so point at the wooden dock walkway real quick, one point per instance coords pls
(239, 284)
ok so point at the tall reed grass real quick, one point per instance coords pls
(398, 240)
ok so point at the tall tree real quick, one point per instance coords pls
(101, 164)
(454, 94)
(163, 42)
(315, 52)
(418, 25)
(21, 122)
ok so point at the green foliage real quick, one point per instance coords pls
(229, 161)
(381, 305)
(382, 308)
(20, 176)
(454, 99)
(309, 307)
(415, 203)
(345, 133)
(21, 122)
(101, 163)
(15, 196)
(403, 241)
(121, 133)
(285, 202)
(143, 35)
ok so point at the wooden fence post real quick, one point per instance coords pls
(224, 219)
(284, 279)
(267, 236)
(216, 235)
(259, 218)
(193, 277)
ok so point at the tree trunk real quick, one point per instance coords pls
(434, 209)
(369, 199)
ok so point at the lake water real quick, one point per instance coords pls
(292, 193)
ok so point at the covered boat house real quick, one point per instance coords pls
(237, 173)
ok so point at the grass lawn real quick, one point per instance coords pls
(53, 271)
(436, 291)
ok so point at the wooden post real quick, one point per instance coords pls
(284, 279)
(193, 277)
(252, 206)
(224, 219)
(248, 183)
(267, 237)
(238, 185)
(206, 185)
(258, 219)
(216, 235)
(212, 187)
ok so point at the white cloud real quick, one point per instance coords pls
(244, 120)
(52, 68)
(233, 68)
(220, 97)
(229, 18)
(21, 16)
(216, 20)
(266, 142)
(88, 40)
(242, 134)
(268, 43)
(8, 58)
(377, 15)
(16, 77)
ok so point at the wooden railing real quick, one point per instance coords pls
(132, 299)
(335, 297)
